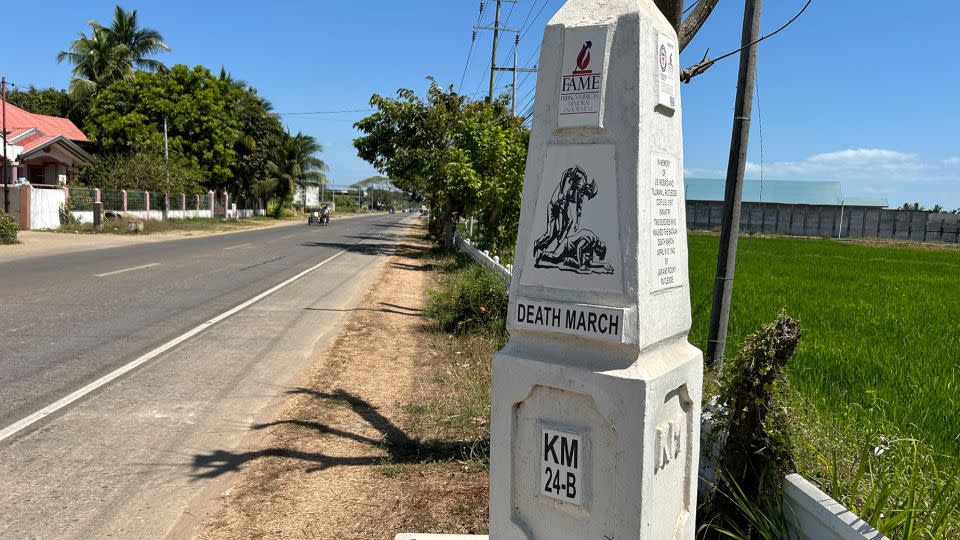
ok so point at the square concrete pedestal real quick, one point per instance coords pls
(627, 439)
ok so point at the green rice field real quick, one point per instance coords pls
(880, 350)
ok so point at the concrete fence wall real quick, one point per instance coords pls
(505, 273)
(830, 221)
(13, 192)
(35, 207)
(45, 208)
(812, 514)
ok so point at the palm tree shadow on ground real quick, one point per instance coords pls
(399, 446)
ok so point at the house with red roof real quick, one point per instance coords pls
(43, 149)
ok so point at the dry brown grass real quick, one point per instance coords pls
(363, 449)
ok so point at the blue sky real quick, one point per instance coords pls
(854, 91)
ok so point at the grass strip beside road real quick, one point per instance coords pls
(120, 225)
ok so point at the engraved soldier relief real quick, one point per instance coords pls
(564, 245)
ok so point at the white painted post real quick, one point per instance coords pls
(596, 397)
(210, 204)
(123, 194)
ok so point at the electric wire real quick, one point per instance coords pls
(473, 39)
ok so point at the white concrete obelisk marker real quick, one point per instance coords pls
(596, 398)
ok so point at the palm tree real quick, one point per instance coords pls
(137, 42)
(295, 162)
(111, 53)
(96, 64)
(937, 208)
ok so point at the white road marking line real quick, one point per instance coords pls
(74, 396)
(141, 267)
(237, 246)
(287, 236)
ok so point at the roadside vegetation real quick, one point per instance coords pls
(461, 157)
(8, 229)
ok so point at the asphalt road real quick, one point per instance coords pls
(129, 458)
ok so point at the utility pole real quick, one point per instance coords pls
(513, 85)
(514, 69)
(730, 228)
(496, 38)
(3, 178)
(166, 171)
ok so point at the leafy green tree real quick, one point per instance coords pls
(127, 117)
(145, 170)
(296, 161)
(111, 53)
(464, 157)
(136, 43)
(260, 133)
(48, 101)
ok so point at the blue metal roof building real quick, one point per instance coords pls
(780, 192)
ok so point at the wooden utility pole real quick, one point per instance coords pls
(496, 39)
(3, 177)
(515, 70)
(673, 11)
(736, 162)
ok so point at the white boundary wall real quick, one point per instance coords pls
(45, 208)
(812, 514)
(505, 273)
(86, 216)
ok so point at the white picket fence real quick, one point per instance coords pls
(811, 513)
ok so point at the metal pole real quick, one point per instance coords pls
(727, 259)
(513, 87)
(840, 232)
(6, 185)
(493, 53)
(166, 168)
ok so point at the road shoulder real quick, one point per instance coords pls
(344, 458)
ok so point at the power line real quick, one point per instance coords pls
(523, 26)
(473, 39)
(505, 23)
(304, 113)
(703, 65)
(691, 6)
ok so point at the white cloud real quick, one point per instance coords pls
(953, 160)
(857, 164)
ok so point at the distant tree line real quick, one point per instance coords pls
(222, 135)
(937, 208)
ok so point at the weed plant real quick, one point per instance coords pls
(470, 300)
